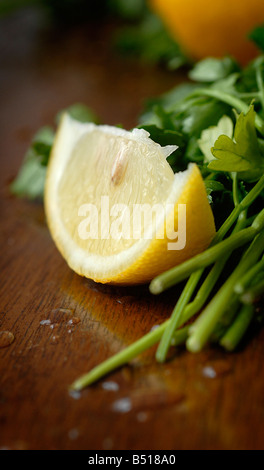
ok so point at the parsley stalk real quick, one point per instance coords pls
(179, 273)
(177, 314)
(236, 331)
(126, 355)
(232, 100)
(204, 259)
(205, 324)
(253, 293)
(245, 281)
(200, 298)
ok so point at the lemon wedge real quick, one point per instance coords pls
(115, 210)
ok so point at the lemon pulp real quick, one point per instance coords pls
(93, 164)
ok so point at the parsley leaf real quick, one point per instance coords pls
(30, 180)
(79, 112)
(257, 35)
(210, 135)
(213, 186)
(212, 69)
(150, 41)
(241, 154)
(31, 177)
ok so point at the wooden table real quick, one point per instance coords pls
(63, 324)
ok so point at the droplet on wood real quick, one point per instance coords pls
(6, 338)
(216, 369)
(147, 398)
(123, 405)
(107, 443)
(74, 321)
(45, 322)
(76, 394)
(73, 434)
(110, 385)
(55, 339)
(60, 315)
(142, 417)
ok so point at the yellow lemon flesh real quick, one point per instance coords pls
(102, 184)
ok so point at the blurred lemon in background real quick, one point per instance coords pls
(205, 28)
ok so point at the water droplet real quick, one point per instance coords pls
(123, 405)
(65, 311)
(209, 372)
(142, 417)
(147, 398)
(154, 327)
(76, 394)
(6, 338)
(110, 385)
(107, 443)
(45, 322)
(73, 434)
(61, 315)
(127, 299)
(15, 445)
(74, 321)
(216, 369)
(55, 339)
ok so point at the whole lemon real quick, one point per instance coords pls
(212, 28)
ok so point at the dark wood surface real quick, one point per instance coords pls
(144, 405)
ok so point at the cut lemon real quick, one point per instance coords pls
(102, 185)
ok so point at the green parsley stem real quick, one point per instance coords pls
(205, 324)
(181, 272)
(259, 79)
(244, 204)
(127, 354)
(210, 281)
(154, 336)
(253, 293)
(246, 280)
(200, 298)
(151, 338)
(236, 197)
(232, 101)
(225, 321)
(236, 331)
(252, 96)
(176, 315)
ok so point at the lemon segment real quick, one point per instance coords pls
(102, 184)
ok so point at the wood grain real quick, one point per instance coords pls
(178, 405)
